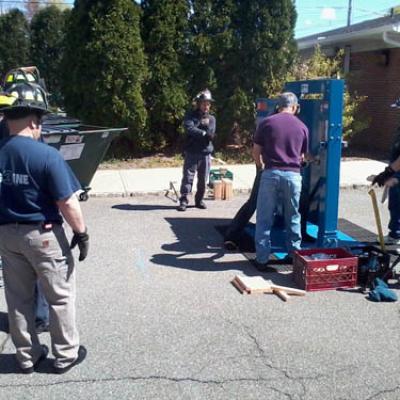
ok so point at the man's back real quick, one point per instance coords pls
(283, 138)
(33, 177)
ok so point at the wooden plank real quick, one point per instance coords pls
(239, 286)
(289, 290)
(282, 294)
(252, 284)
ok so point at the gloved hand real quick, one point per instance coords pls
(205, 121)
(82, 240)
(381, 178)
(210, 136)
(304, 164)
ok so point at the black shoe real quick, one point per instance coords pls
(41, 326)
(43, 356)
(201, 205)
(230, 245)
(263, 267)
(182, 207)
(287, 260)
(82, 352)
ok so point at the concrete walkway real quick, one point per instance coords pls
(156, 180)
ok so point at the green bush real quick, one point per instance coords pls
(321, 66)
(104, 69)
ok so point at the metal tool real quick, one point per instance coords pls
(222, 162)
(378, 221)
(172, 189)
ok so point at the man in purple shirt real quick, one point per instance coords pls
(280, 143)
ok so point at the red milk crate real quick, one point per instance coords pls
(339, 271)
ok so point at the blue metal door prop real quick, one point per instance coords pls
(321, 105)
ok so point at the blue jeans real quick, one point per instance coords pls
(42, 307)
(277, 185)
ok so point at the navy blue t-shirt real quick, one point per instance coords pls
(3, 129)
(283, 138)
(33, 176)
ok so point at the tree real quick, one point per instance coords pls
(164, 31)
(240, 47)
(263, 49)
(104, 68)
(47, 45)
(321, 66)
(14, 44)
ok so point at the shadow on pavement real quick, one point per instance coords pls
(199, 247)
(8, 364)
(195, 236)
(142, 207)
(4, 322)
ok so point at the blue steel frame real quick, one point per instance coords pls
(331, 99)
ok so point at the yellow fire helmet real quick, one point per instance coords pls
(21, 74)
(22, 97)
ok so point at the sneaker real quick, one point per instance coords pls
(201, 205)
(391, 240)
(82, 352)
(43, 356)
(182, 205)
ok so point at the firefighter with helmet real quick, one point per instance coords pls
(37, 188)
(199, 127)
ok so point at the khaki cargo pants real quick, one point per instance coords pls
(29, 252)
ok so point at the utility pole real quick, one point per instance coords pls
(349, 13)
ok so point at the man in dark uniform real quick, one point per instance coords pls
(36, 185)
(390, 177)
(200, 131)
(42, 308)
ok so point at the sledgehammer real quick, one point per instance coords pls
(378, 221)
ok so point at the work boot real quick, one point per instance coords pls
(200, 204)
(182, 204)
(230, 245)
(263, 267)
(42, 357)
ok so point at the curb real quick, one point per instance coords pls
(161, 193)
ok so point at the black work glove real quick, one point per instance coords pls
(387, 173)
(210, 136)
(304, 164)
(82, 240)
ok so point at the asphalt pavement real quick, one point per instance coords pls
(161, 320)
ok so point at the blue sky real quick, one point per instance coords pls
(314, 17)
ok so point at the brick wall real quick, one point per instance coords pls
(377, 76)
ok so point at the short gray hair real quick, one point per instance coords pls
(287, 99)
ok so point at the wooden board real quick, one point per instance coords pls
(252, 284)
(227, 189)
(288, 290)
(282, 294)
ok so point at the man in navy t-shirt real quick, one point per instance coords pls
(280, 143)
(36, 188)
